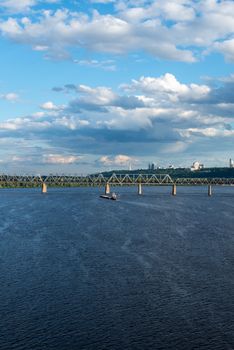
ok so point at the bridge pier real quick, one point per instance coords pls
(173, 192)
(44, 188)
(139, 189)
(107, 188)
(209, 190)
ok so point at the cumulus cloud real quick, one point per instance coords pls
(170, 86)
(70, 122)
(15, 6)
(60, 159)
(11, 97)
(209, 132)
(99, 99)
(173, 30)
(119, 160)
(56, 32)
(50, 106)
(227, 48)
(148, 116)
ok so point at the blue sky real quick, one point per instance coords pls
(92, 85)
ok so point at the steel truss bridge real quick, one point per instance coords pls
(101, 180)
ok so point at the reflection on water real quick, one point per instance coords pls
(143, 272)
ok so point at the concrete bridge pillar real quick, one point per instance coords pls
(139, 189)
(173, 190)
(43, 188)
(107, 188)
(209, 190)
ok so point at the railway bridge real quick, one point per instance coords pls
(99, 180)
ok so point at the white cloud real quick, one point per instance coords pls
(119, 160)
(24, 123)
(161, 116)
(11, 97)
(176, 10)
(227, 48)
(169, 10)
(134, 26)
(71, 122)
(40, 48)
(108, 65)
(208, 132)
(15, 6)
(170, 86)
(60, 159)
(38, 115)
(166, 83)
(50, 106)
(100, 95)
(8, 125)
(101, 1)
(131, 120)
(20, 159)
(56, 32)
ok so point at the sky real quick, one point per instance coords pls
(88, 86)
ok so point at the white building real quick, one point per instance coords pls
(231, 163)
(196, 166)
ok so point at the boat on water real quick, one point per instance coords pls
(113, 196)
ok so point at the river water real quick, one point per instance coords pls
(144, 272)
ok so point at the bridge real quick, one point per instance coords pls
(100, 180)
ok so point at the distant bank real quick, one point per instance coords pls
(180, 172)
(167, 176)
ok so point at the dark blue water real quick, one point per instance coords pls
(150, 272)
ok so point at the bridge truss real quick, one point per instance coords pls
(101, 180)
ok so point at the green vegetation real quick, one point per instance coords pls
(181, 172)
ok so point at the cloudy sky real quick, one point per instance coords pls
(102, 84)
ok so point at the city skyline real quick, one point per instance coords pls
(91, 85)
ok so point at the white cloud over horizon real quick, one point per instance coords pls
(168, 118)
(60, 159)
(104, 82)
(120, 160)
